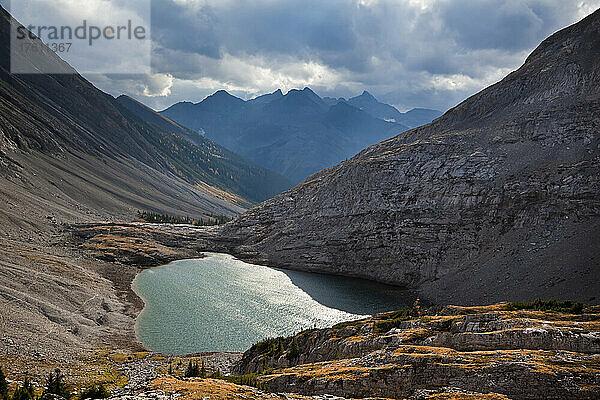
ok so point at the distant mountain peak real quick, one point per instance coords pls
(222, 97)
(306, 93)
(368, 95)
(221, 93)
(416, 117)
(363, 99)
(267, 98)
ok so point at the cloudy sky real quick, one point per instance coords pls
(409, 53)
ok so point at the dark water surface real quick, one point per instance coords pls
(219, 303)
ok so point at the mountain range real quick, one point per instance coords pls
(298, 133)
(367, 102)
(498, 199)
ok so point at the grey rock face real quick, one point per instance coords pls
(497, 199)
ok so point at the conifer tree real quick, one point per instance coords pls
(3, 386)
(188, 370)
(294, 351)
(24, 392)
(192, 370)
(55, 384)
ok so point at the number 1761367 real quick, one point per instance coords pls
(35, 48)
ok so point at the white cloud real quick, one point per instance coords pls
(101, 55)
(158, 85)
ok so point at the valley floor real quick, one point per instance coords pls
(72, 307)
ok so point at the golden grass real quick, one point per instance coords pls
(113, 242)
(199, 389)
(140, 355)
(92, 368)
(121, 358)
(536, 361)
(463, 396)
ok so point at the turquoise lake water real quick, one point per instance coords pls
(219, 303)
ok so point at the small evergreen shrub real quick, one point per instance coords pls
(24, 392)
(568, 307)
(294, 351)
(195, 370)
(3, 386)
(246, 380)
(95, 392)
(393, 320)
(269, 347)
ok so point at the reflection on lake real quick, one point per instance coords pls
(219, 303)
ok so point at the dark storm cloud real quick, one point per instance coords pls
(430, 53)
(252, 27)
(489, 24)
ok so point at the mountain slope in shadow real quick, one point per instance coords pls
(69, 155)
(498, 199)
(131, 160)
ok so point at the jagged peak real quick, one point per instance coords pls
(368, 95)
(364, 98)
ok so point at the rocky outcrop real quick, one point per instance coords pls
(497, 199)
(517, 374)
(519, 354)
(492, 329)
(145, 244)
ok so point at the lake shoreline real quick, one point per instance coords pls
(195, 305)
(126, 249)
